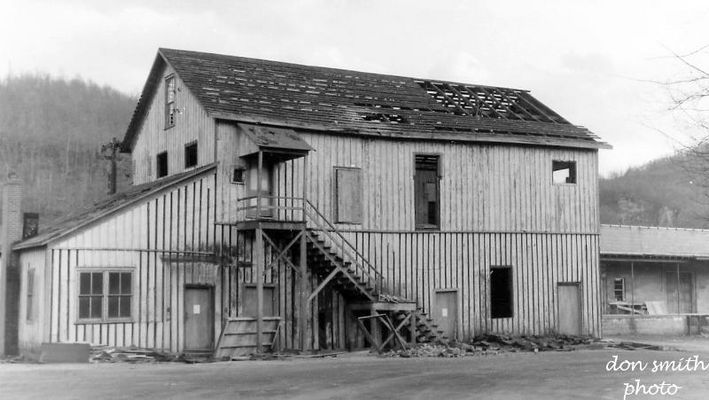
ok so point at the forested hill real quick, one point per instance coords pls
(51, 131)
(664, 192)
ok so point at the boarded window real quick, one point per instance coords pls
(170, 110)
(191, 155)
(30, 294)
(563, 172)
(348, 193)
(501, 292)
(426, 191)
(619, 289)
(162, 164)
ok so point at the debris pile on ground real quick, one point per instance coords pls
(495, 344)
(108, 354)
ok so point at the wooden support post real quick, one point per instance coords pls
(632, 289)
(302, 319)
(259, 173)
(259, 255)
(414, 317)
(375, 328)
(679, 307)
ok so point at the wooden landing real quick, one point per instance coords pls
(384, 306)
(270, 224)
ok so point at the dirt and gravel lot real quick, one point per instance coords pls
(546, 375)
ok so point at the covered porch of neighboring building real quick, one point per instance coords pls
(654, 281)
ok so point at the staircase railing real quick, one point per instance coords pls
(346, 250)
(298, 209)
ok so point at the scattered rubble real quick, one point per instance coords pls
(108, 354)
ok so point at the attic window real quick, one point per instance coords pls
(191, 155)
(391, 118)
(563, 172)
(170, 109)
(162, 164)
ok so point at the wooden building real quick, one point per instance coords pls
(654, 280)
(310, 196)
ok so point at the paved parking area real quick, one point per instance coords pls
(552, 375)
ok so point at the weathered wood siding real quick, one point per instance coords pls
(159, 239)
(483, 187)
(414, 265)
(32, 332)
(192, 124)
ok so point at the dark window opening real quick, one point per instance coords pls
(563, 172)
(501, 292)
(170, 109)
(162, 164)
(191, 155)
(427, 191)
(619, 289)
(238, 175)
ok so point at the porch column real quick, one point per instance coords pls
(677, 290)
(302, 317)
(632, 289)
(259, 174)
(259, 255)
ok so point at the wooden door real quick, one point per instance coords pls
(426, 192)
(199, 319)
(266, 188)
(569, 304)
(445, 312)
(681, 302)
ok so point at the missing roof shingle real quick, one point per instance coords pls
(489, 102)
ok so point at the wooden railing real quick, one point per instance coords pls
(297, 209)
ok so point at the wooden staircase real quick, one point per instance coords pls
(356, 283)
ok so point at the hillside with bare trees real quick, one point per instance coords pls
(51, 132)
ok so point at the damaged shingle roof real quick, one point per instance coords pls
(336, 100)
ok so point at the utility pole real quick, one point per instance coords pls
(109, 151)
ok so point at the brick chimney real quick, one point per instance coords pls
(10, 232)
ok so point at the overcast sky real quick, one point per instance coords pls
(595, 62)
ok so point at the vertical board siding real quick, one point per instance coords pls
(462, 261)
(192, 124)
(484, 187)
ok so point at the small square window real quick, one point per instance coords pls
(563, 172)
(238, 175)
(191, 155)
(162, 164)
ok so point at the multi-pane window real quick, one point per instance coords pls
(619, 289)
(119, 294)
(170, 109)
(105, 295)
(90, 295)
